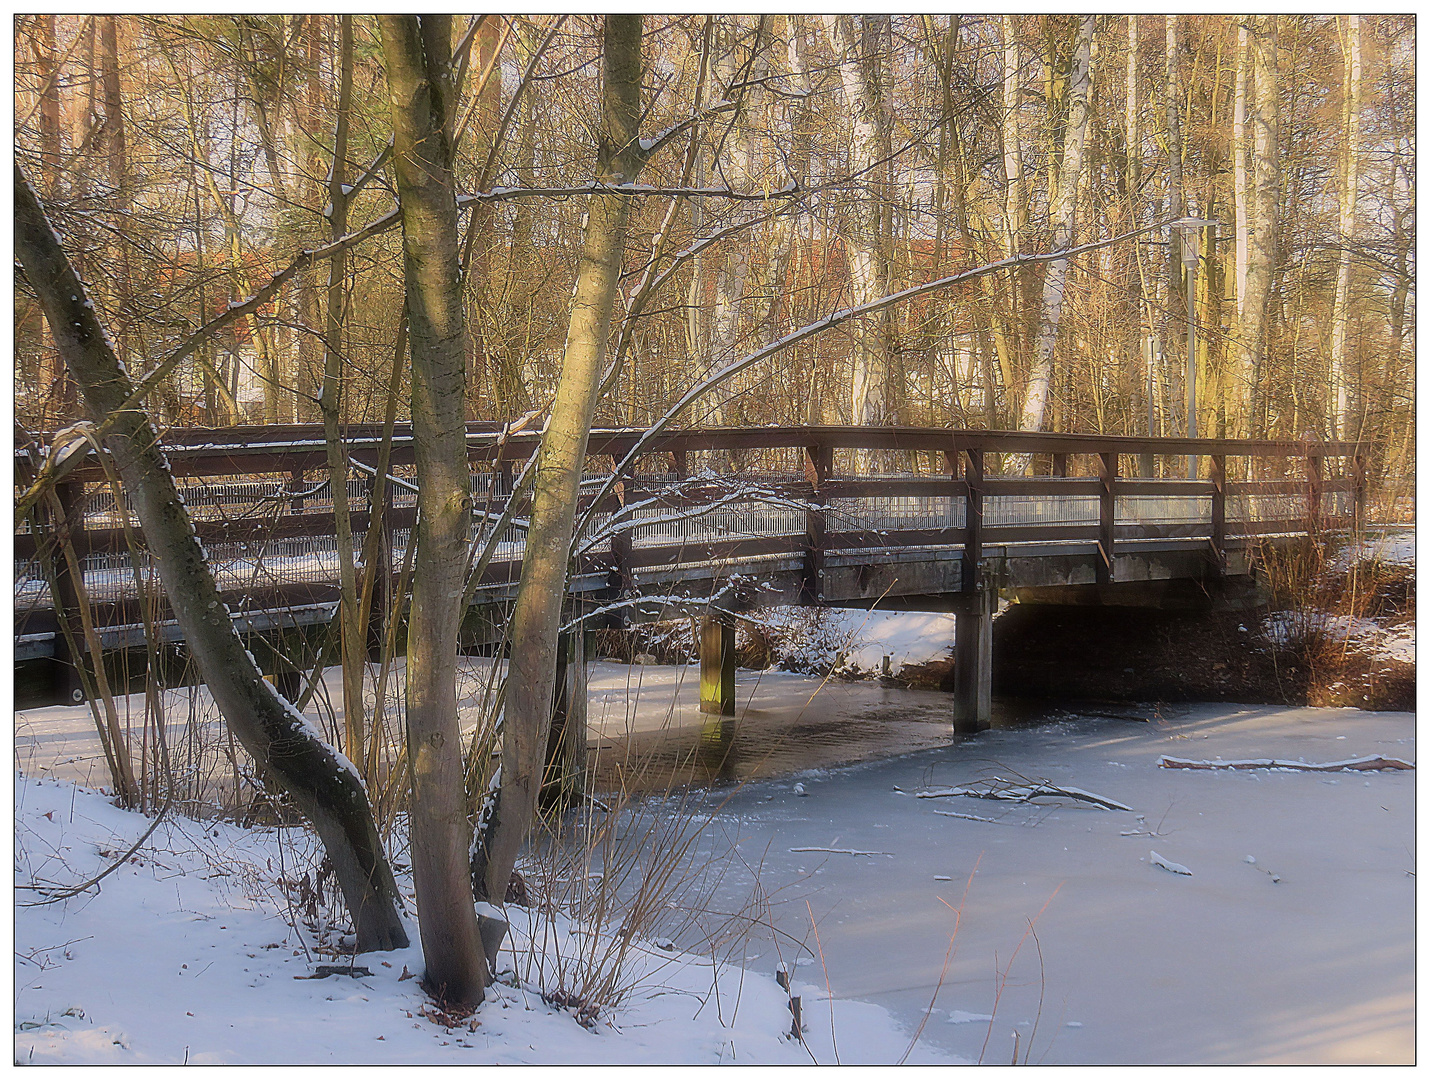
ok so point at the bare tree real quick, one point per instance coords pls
(1064, 222)
(418, 54)
(1339, 420)
(536, 620)
(1261, 208)
(325, 786)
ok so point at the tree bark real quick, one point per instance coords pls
(536, 620)
(323, 784)
(418, 56)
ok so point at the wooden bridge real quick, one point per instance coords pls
(722, 520)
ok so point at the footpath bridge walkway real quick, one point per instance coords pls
(726, 519)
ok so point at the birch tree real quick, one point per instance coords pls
(1339, 421)
(1261, 209)
(1064, 221)
(858, 46)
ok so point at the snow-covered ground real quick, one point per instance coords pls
(190, 953)
(1290, 940)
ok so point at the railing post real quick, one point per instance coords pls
(296, 484)
(1060, 465)
(67, 686)
(1218, 539)
(1315, 482)
(678, 464)
(621, 569)
(818, 465)
(1107, 515)
(383, 585)
(1359, 485)
(973, 521)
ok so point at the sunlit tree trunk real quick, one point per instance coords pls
(1064, 223)
(858, 45)
(1261, 209)
(536, 619)
(1340, 424)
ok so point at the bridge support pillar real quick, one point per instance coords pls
(565, 781)
(973, 664)
(717, 666)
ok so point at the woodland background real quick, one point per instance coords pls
(185, 160)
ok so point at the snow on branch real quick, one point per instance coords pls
(651, 145)
(1008, 791)
(843, 851)
(1360, 764)
(1167, 864)
(501, 194)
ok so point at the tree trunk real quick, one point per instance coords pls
(732, 277)
(1174, 309)
(354, 650)
(418, 55)
(1261, 211)
(1340, 412)
(536, 620)
(324, 785)
(1238, 165)
(1064, 222)
(858, 47)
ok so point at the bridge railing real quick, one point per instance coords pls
(715, 497)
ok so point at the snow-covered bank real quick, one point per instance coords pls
(190, 953)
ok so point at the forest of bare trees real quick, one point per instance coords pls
(186, 161)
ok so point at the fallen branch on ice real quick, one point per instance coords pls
(843, 851)
(1009, 792)
(968, 817)
(1361, 764)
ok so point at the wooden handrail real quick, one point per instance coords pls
(289, 447)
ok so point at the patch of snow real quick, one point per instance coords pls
(1166, 864)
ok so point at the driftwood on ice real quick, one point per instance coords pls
(1007, 791)
(1360, 764)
